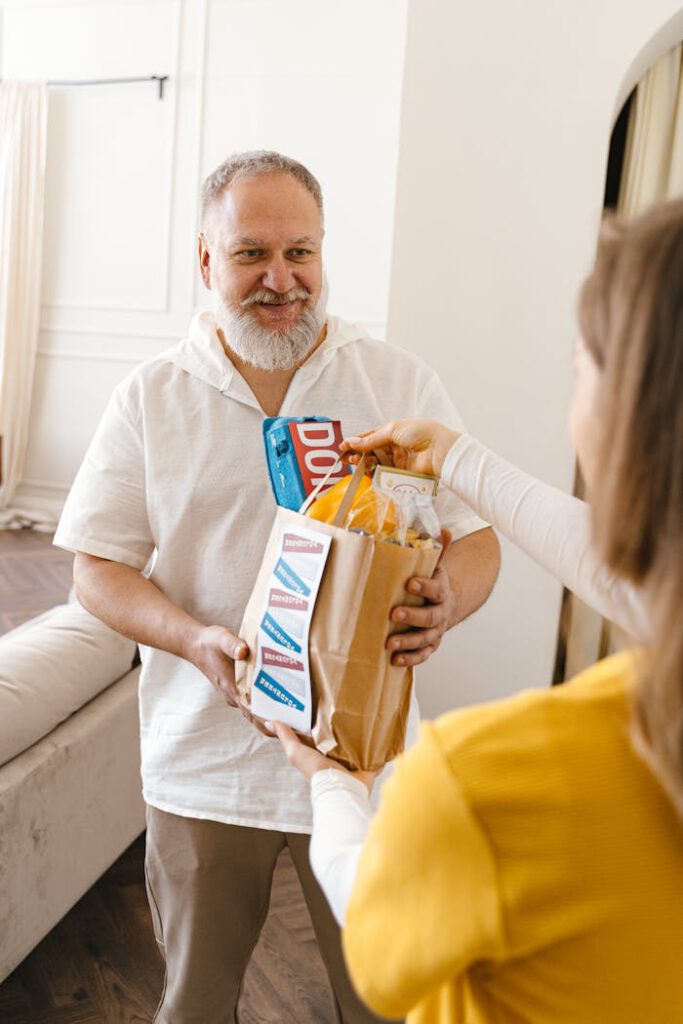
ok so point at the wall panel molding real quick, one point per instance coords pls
(45, 485)
(103, 346)
(88, 357)
(97, 307)
(103, 332)
(46, 498)
(112, 156)
(105, 313)
(174, 95)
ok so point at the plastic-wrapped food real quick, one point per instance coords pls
(417, 524)
(405, 518)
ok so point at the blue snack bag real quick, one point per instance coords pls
(300, 451)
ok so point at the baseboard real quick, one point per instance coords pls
(46, 499)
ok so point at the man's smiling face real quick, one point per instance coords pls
(261, 254)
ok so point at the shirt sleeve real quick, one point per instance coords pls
(425, 852)
(106, 510)
(550, 526)
(454, 514)
(341, 818)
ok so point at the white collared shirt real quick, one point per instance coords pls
(177, 471)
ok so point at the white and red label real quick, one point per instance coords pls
(282, 679)
(317, 449)
(272, 657)
(294, 542)
(284, 599)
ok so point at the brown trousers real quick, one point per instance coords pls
(208, 886)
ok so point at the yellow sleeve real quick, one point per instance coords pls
(425, 904)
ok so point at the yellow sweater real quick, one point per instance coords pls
(525, 867)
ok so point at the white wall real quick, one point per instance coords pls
(507, 114)
(318, 80)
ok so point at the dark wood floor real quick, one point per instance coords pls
(34, 576)
(100, 964)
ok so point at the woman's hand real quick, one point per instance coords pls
(308, 760)
(417, 445)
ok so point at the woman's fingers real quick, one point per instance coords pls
(422, 444)
(289, 740)
(306, 759)
(379, 437)
(309, 760)
(255, 721)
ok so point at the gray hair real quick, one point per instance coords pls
(252, 165)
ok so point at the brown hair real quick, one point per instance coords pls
(631, 318)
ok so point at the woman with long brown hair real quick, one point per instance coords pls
(526, 861)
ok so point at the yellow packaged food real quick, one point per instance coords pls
(370, 510)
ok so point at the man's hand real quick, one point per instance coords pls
(131, 604)
(461, 583)
(308, 760)
(428, 622)
(214, 652)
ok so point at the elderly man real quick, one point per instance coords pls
(169, 517)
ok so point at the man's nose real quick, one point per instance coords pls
(278, 276)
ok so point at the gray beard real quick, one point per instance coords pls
(278, 349)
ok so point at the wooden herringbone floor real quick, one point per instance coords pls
(100, 964)
(34, 576)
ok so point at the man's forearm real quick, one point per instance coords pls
(128, 602)
(124, 599)
(472, 564)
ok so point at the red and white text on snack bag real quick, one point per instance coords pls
(293, 542)
(317, 449)
(283, 599)
(271, 657)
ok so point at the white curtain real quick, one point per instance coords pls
(23, 141)
(653, 160)
(652, 172)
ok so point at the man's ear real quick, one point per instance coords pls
(204, 260)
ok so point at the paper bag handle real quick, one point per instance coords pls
(318, 488)
(350, 494)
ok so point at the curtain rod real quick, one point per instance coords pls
(119, 81)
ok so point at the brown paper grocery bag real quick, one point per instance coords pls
(360, 700)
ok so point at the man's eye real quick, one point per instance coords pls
(298, 254)
(249, 254)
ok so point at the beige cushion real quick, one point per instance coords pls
(52, 666)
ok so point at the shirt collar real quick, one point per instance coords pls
(202, 355)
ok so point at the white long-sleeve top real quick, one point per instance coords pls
(551, 527)
(341, 817)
